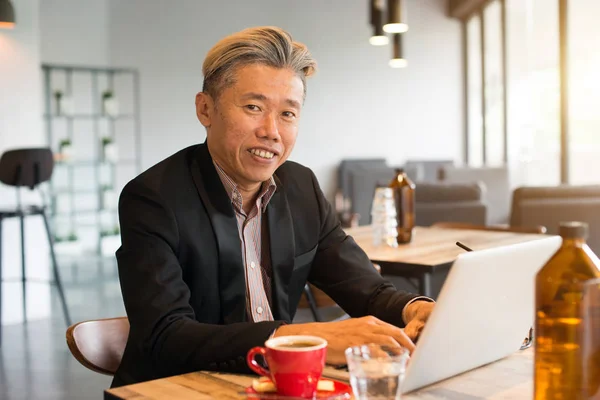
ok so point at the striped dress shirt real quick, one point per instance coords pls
(256, 254)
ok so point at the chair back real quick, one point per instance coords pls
(428, 170)
(458, 202)
(551, 205)
(26, 167)
(346, 168)
(99, 344)
(497, 184)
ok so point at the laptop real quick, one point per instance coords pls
(483, 312)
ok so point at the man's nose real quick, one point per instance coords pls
(269, 129)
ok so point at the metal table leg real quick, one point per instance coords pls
(23, 264)
(425, 284)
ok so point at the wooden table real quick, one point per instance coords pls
(431, 250)
(510, 378)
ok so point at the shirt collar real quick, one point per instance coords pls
(266, 192)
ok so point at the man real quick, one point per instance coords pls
(219, 239)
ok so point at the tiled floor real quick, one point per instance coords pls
(35, 362)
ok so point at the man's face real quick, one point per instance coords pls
(252, 127)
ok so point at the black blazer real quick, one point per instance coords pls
(182, 276)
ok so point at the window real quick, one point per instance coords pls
(523, 37)
(533, 92)
(494, 85)
(485, 87)
(475, 112)
(584, 92)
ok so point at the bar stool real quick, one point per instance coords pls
(28, 168)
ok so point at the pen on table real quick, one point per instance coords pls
(462, 246)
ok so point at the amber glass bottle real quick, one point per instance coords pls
(404, 199)
(559, 332)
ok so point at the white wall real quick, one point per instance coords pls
(20, 83)
(356, 105)
(21, 126)
(74, 32)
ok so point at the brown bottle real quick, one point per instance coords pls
(559, 333)
(404, 199)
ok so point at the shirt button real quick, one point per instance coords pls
(259, 310)
(252, 265)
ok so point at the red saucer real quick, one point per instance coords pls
(341, 391)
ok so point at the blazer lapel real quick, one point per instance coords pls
(232, 281)
(281, 233)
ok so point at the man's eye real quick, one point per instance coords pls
(289, 114)
(252, 107)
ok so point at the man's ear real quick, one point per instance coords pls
(204, 108)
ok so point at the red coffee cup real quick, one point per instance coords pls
(295, 363)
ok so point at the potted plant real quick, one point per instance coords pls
(58, 96)
(109, 149)
(110, 231)
(110, 105)
(65, 150)
(106, 233)
(63, 104)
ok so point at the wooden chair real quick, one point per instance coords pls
(99, 344)
(497, 228)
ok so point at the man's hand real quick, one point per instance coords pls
(416, 315)
(351, 332)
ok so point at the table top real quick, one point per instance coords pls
(434, 247)
(509, 378)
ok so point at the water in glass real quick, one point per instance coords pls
(376, 371)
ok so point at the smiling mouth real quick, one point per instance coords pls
(267, 155)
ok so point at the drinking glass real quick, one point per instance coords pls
(376, 372)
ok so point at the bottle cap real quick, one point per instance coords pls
(574, 230)
(399, 170)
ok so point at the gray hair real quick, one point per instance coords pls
(269, 46)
